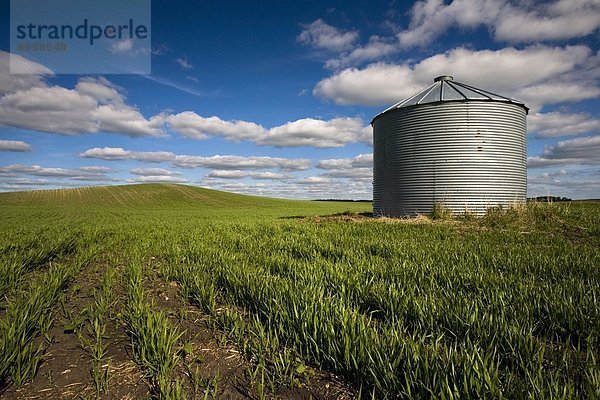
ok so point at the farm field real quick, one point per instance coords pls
(174, 292)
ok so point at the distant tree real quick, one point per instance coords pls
(549, 199)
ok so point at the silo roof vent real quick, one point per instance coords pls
(443, 78)
(445, 88)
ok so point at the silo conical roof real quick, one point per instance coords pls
(445, 88)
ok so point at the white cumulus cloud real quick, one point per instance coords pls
(91, 173)
(310, 132)
(376, 48)
(317, 133)
(97, 105)
(158, 179)
(359, 167)
(14, 145)
(220, 162)
(579, 151)
(241, 162)
(153, 172)
(315, 180)
(118, 153)
(19, 73)
(556, 123)
(529, 21)
(93, 105)
(239, 174)
(320, 35)
(194, 126)
(508, 71)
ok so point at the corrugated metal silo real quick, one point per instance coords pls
(450, 144)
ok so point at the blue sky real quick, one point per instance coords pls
(276, 98)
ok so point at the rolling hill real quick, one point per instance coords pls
(160, 196)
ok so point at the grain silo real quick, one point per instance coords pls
(450, 144)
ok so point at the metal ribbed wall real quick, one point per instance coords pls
(467, 155)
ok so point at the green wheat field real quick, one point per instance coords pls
(173, 292)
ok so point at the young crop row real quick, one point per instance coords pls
(153, 339)
(410, 317)
(93, 338)
(272, 363)
(28, 313)
(159, 348)
(17, 259)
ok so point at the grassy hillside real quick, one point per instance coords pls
(148, 194)
(163, 197)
